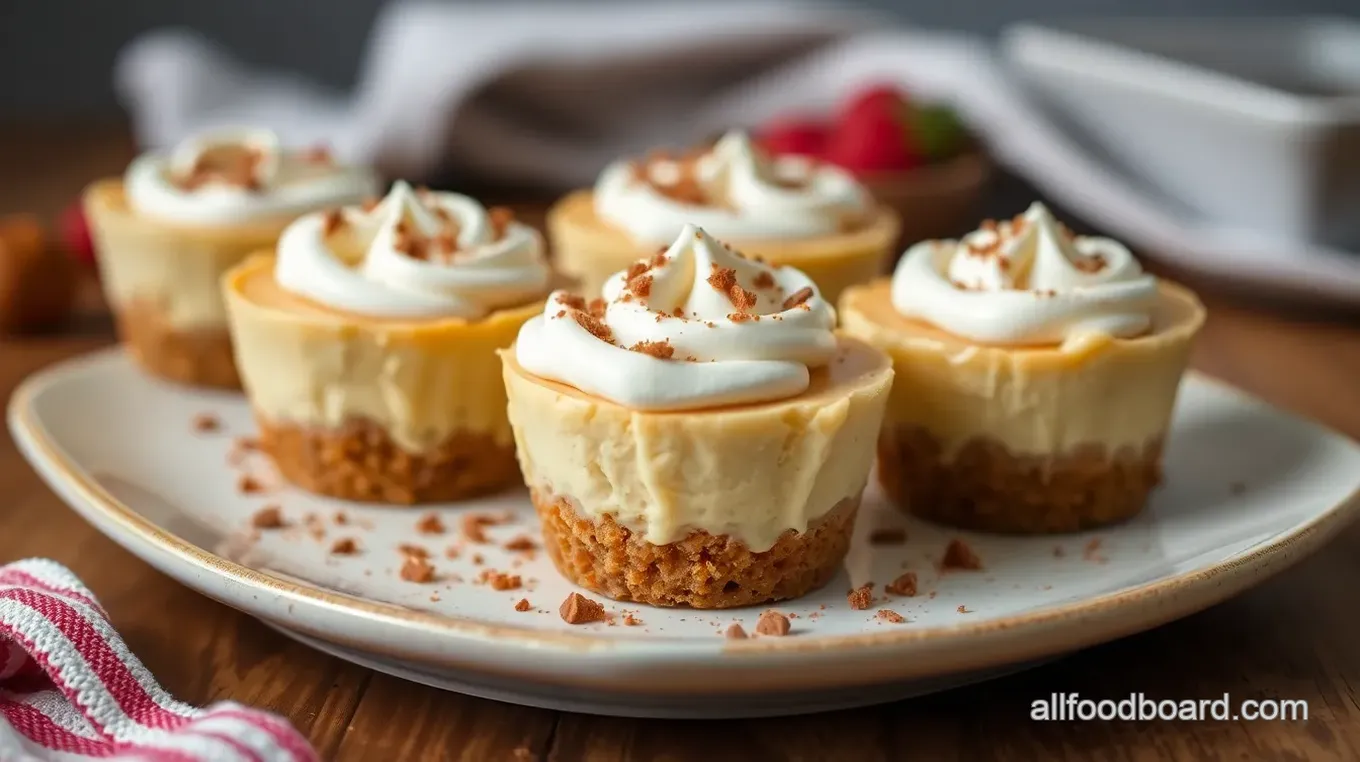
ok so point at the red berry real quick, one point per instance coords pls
(802, 137)
(881, 96)
(75, 233)
(871, 139)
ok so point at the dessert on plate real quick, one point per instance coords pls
(367, 345)
(1036, 375)
(788, 211)
(700, 435)
(168, 229)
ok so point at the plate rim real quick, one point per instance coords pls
(1035, 633)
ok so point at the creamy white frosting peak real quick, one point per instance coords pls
(415, 255)
(237, 176)
(742, 195)
(1026, 281)
(695, 326)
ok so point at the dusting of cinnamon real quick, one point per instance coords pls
(774, 624)
(763, 280)
(411, 550)
(957, 555)
(594, 326)
(417, 569)
(861, 597)
(206, 423)
(229, 164)
(446, 242)
(430, 523)
(1090, 264)
(578, 609)
(904, 585)
(662, 350)
(741, 317)
(249, 485)
(331, 222)
(571, 301)
(268, 517)
(724, 281)
(501, 580)
(641, 286)
(474, 525)
(798, 297)
(634, 270)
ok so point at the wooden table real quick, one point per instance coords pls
(1297, 636)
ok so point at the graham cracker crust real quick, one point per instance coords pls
(703, 570)
(987, 488)
(361, 462)
(198, 358)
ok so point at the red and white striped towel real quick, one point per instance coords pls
(71, 690)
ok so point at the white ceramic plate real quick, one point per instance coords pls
(1249, 490)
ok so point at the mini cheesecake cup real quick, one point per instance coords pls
(369, 409)
(1025, 439)
(162, 282)
(710, 508)
(589, 249)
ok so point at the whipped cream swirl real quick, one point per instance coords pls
(416, 254)
(733, 191)
(696, 325)
(237, 176)
(1027, 281)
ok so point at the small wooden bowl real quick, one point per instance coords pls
(937, 200)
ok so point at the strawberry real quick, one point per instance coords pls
(870, 136)
(75, 234)
(801, 137)
(874, 97)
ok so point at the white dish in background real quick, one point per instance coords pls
(1249, 490)
(1253, 123)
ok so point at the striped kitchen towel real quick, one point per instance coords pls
(71, 690)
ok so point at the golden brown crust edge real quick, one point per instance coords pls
(702, 571)
(196, 358)
(361, 462)
(987, 488)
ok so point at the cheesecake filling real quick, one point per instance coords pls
(1026, 282)
(751, 473)
(695, 326)
(241, 176)
(733, 190)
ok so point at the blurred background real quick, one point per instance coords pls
(1220, 139)
(67, 47)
